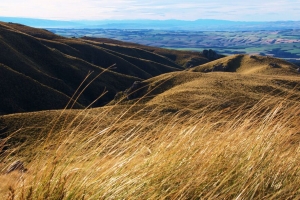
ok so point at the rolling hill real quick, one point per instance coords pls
(227, 129)
(42, 71)
(181, 58)
(175, 127)
(250, 64)
(228, 82)
(61, 64)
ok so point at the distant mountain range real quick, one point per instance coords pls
(201, 24)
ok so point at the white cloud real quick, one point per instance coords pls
(155, 9)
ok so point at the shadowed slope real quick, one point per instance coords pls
(27, 94)
(38, 33)
(63, 63)
(87, 49)
(181, 58)
(134, 51)
(27, 55)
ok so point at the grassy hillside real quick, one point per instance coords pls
(228, 129)
(245, 81)
(250, 64)
(197, 135)
(38, 97)
(179, 57)
(61, 64)
(148, 153)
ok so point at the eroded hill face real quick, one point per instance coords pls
(37, 59)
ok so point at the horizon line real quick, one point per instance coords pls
(140, 19)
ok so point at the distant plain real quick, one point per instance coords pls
(282, 44)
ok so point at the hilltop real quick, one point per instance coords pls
(250, 64)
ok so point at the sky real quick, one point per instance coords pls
(236, 10)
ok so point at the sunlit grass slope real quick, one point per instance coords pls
(193, 90)
(121, 152)
(252, 64)
(187, 135)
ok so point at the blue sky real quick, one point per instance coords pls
(254, 10)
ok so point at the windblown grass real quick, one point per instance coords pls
(149, 154)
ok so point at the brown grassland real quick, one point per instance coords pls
(186, 134)
(146, 150)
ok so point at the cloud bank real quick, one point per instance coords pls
(255, 10)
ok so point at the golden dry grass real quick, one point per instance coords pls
(190, 135)
(244, 153)
(247, 64)
(194, 90)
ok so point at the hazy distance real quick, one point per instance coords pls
(255, 10)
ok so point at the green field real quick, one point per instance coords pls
(282, 44)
